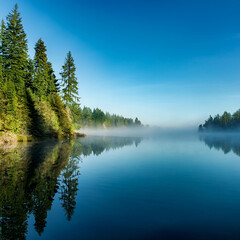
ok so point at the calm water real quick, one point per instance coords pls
(122, 188)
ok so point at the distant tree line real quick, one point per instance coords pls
(97, 118)
(226, 121)
(32, 100)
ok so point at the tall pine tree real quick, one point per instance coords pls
(15, 56)
(69, 80)
(41, 78)
(3, 44)
(1, 73)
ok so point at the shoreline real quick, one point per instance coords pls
(8, 138)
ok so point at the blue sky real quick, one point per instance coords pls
(170, 63)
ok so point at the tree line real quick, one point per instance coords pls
(226, 121)
(32, 100)
(96, 118)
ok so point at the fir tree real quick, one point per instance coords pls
(1, 73)
(3, 44)
(30, 74)
(53, 82)
(69, 87)
(15, 55)
(41, 78)
(1, 90)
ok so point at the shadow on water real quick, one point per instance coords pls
(31, 175)
(225, 142)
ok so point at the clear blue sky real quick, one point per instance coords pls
(171, 63)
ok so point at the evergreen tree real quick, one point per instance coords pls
(53, 82)
(76, 114)
(69, 86)
(137, 122)
(87, 116)
(3, 44)
(15, 55)
(41, 77)
(30, 74)
(1, 93)
(1, 73)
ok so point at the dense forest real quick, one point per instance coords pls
(32, 100)
(226, 122)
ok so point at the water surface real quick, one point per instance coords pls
(171, 187)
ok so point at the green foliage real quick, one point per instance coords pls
(97, 118)
(220, 123)
(15, 52)
(3, 46)
(48, 122)
(69, 187)
(49, 119)
(76, 114)
(41, 79)
(64, 117)
(69, 80)
(53, 82)
(86, 117)
(29, 99)
(30, 74)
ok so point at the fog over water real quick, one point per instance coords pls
(140, 132)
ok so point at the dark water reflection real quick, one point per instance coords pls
(225, 142)
(32, 175)
(164, 188)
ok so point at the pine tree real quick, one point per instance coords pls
(1, 73)
(137, 122)
(70, 89)
(1, 90)
(3, 44)
(41, 78)
(15, 55)
(53, 82)
(30, 74)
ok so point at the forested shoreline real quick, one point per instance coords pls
(96, 118)
(225, 122)
(32, 100)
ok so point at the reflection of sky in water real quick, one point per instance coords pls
(163, 188)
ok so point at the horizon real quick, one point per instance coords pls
(165, 63)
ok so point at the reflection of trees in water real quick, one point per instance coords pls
(226, 143)
(29, 181)
(69, 187)
(30, 176)
(96, 145)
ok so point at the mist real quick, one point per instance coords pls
(140, 132)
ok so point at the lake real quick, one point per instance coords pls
(103, 187)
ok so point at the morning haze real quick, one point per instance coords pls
(119, 120)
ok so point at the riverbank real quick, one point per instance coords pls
(11, 138)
